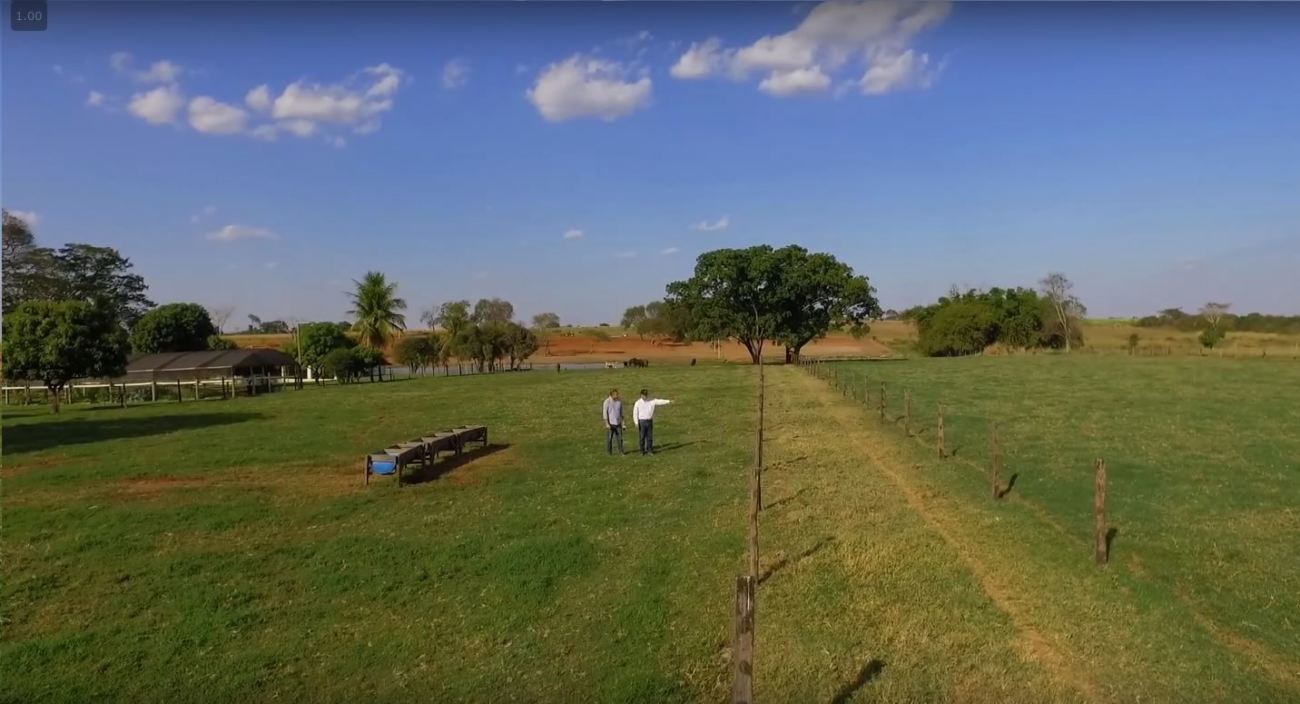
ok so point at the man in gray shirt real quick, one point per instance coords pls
(611, 416)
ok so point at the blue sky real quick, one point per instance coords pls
(1151, 152)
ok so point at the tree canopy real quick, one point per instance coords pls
(79, 272)
(493, 310)
(175, 327)
(786, 295)
(54, 342)
(966, 323)
(376, 307)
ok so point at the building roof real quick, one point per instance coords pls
(212, 360)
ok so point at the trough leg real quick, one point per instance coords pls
(367, 470)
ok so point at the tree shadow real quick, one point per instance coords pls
(1010, 483)
(784, 464)
(34, 437)
(869, 672)
(441, 467)
(675, 446)
(787, 561)
(786, 500)
(1111, 534)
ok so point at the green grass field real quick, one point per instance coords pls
(227, 550)
(1203, 465)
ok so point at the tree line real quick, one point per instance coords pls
(964, 323)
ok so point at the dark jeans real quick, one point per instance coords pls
(611, 432)
(645, 433)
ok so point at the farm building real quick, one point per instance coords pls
(212, 364)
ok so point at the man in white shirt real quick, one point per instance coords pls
(643, 414)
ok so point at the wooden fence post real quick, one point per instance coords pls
(178, 390)
(997, 460)
(907, 412)
(196, 388)
(758, 445)
(742, 648)
(1099, 512)
(753, 524)
(882, 401)
(942, 454)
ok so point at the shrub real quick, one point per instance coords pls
(217, 342)
(1210, 337)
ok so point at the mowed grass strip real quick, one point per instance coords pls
(861, 599)
(1202, 489)
(227, 551)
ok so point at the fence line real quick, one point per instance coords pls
(841, 380)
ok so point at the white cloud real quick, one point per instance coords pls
(835, 33)
(259, 98)
(702, 59)
(213, 117)
(299, 128)
(158, 106)
(796, 82)
(95, 99)
(585, 86)
(573, 234)
(455, 74)
(265, 132)
(338, 142)
(270, 265)
(893, 71)
(302, 108)
(721, 223)
(629, 254)
(232, 233)
(27, 216)
(58, 70)
(162, 71)
(387, 80)
(669, 251)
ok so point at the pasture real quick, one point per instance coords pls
(227, 551)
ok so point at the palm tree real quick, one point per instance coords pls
(375, 306)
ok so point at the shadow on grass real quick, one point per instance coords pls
(787, 561)
(1010, 483)
(1110, 539)
(33, 437)
(674, 446)
(444, 466)
(786, 500)
(785, 464)
(869, 672)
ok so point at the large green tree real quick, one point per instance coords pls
(493, 310)
(102, 275)
(315, 342)
(417, 352)
(175, 327)
(376, 307)
(29, 270)
(54, 342)
(453, 316)
(80, 272)
(760, 293)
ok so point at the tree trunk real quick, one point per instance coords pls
(755, 349)
(54, 397)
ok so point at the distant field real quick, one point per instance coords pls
(1202, 455)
